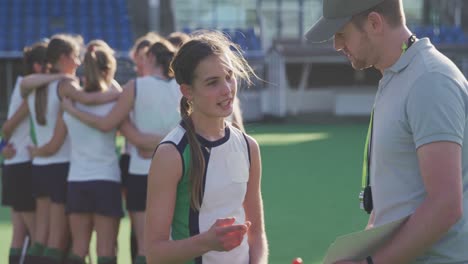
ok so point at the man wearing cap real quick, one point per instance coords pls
(418, 154)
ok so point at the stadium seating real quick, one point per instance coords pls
(449, 35)
(27, 21)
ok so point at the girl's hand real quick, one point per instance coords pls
(9, 151)
(224, 235)
(32, 151)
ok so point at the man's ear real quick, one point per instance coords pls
(375, 22)
(186, 91)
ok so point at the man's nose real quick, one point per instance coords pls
(338, 43)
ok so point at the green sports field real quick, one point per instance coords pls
(311, 179)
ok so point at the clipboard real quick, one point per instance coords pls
(359, 245)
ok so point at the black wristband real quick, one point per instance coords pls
(369, 260)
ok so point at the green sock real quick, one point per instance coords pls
(54, 253)
(37, 249)
(140, 260)
(104, 260)
(76, 258)
(15, 251)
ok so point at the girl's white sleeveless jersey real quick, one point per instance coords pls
(20, 137)
(155, 111)
(45, 132)
(227, 163)
(93, 153)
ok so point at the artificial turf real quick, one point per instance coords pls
(311, 180)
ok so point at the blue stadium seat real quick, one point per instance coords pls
(458, 35)
(30, 39)
(110, 29)
(44, 33)
(463, 40)
(29, 9)
(68, 11)
(108, 12)
(16, 42)
(15, 16)
(121, 12)
(3, 21)
(253, 41)
(4, 4)
(96, 12)
(16, 5)
(70, 23)
(84, 32)
(54, 31)
(83, 9)
(29, 29)
(42, 4)
(56, 7)
(186, 30)
(3, 44)
(112, 41)
(124, 19)
(240, 39)
(126, 43)
(26, 21)
(4, 11)
(99, 20)
(125, 30)
(43, 11)
(83, 3)
(97, 33)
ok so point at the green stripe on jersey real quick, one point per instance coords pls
(180, 222)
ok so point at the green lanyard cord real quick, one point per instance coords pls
(366, 161)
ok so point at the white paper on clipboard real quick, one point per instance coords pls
(359, 245)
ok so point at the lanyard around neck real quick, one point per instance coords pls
(406, 45)
(367, 150)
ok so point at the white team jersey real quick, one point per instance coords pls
(93, 153)
(20, 137)
(227, 163)
(155, 111)
(45, 132)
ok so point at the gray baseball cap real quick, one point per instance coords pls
(336, 13)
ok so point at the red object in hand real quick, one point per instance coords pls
(297, 261)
